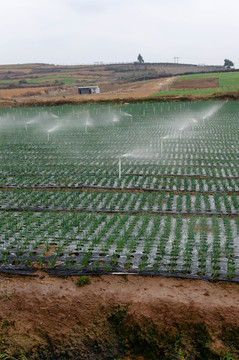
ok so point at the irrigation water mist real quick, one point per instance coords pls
(32, 121)
(161, 143)
(115, 119)
(54, 116)
(123, 113)
(54, 128)
(87, 124)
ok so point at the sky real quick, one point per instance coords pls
(72, 32)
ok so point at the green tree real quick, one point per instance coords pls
(140, 59)
(228, 63)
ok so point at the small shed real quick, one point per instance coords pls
(83, 90)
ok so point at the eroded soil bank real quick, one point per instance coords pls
(112, 99)
(118, 317)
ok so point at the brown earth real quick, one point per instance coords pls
(134, 90)
(123, 94)
(118, 317)
(118, 83)
(191, 84)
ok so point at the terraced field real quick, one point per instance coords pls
(139, 188)
(204, 84)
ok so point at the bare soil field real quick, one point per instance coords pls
(188, 84)
(118, 317)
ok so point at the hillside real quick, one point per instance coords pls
(48, 85)
(107, 76)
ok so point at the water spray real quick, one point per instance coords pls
(161, 145)
(180, 133)
(114, 120)
(51, 130)
(128, 115)
(86, 124)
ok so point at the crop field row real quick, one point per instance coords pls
(119, 201)
(138, 188)
(191, 246)
(149, 182)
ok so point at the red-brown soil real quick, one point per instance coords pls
(118, 317)
(190, 84)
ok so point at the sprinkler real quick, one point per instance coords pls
(86, 124)
(114, 120)
(180, 134)
(51, 130)
(120, 156)
(161, 145)
(26, 126)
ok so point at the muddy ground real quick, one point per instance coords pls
(118, 317)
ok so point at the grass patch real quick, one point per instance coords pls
(52, 79)
(193, 92)
(228, 82)
(83, 280)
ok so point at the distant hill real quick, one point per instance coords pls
(44, 75)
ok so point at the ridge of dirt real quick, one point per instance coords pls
(118, 317)
(112, 99)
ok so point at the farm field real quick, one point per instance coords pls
(203, 84)
(27, 85)
(174, 210)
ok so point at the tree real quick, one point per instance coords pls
(140, 59)
(228, 63)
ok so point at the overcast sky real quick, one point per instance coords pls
(86, 31)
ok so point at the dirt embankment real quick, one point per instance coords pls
(118, 317)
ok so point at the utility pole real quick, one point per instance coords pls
(176, 58)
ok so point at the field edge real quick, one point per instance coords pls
(117, 317)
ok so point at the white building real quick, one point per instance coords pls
(83, 90)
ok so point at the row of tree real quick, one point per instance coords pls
(227, 63)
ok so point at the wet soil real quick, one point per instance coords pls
(118, 317)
